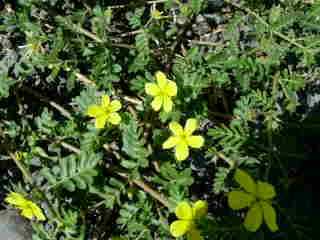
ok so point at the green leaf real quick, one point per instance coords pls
(245, 181)
(5, 84)
(270, 216)
(196, 5)
(230, 138)
(254, 218)
(239, 199)
(73, 172)
(265, 191)
(133, 146)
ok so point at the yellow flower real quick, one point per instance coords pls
(27, 207)
(182, 139)
(106, 112)
(256, 196)
(156, 14)
(187, 216)
(162, 91)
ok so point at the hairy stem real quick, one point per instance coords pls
(261, 20)
(153, 193)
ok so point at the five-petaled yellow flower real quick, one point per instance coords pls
(257, 197)
(28, 208)
(162, 91)
(188, 215)
(105, 112)
(182, 139)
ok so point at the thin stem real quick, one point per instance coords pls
(70, 147)
(223, 157)
(260, 19)
(97, 39)
(131, 33)
(153, 193)
(269, 127)
(147, 2)
(204, 43)
(147, 189)
(25, 172)
(88, 34)
(82, 78)
(55, 105)
(28, 177)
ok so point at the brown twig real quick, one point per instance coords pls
(55, 105)
(147, 2)
(147, 189)
(97, 39)
(205, 43)
(131, 33)
(84, 79)
(156, 195)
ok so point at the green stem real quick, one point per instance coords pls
(224, 157)
(28, 177)
(261, 20)
(42, 98)
(153, 193)
(25, 172)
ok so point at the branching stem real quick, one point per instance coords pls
(261, 20)
(153, 193)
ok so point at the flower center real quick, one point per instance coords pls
(107, 110)
(183, 137)
(163, 93)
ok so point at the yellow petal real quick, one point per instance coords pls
(15, 199)
(105, 101)
(253, 218)
(161, 79)
(37, 212)
(180, 227)
(171, 88)
(245, 181)
(181, 151)
(195, 141)
(239, 199)
(167, 104)
(200, 209)
(191, 126)
(194, 234)
(265, 191)
(114, 118)
(95, 111)
(184, 211)
(270, 216)
(157, 103)
(27, 213)
(115, 105)
(152, 89)
(170, 142)
(101, 121)
(176, 128)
